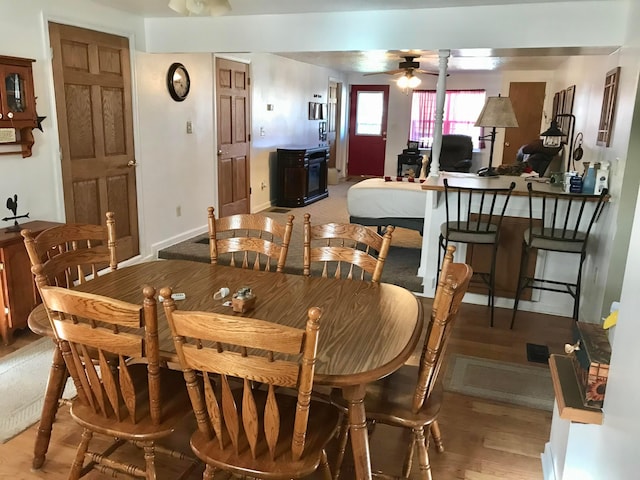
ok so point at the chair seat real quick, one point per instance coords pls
(323, 421)
(174, 399)
(389, 399)
(474, 233)
(557, 244)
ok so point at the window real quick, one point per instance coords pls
(369, 112)
(461, 110)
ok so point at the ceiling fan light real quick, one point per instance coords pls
(403, 81)
(219, 7)
(179, 6)
(413, 82)
(196, 7)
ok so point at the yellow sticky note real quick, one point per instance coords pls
(611, 320)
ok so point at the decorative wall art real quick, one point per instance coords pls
(608, 107)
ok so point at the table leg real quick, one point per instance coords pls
(55, 385)
(358, 430)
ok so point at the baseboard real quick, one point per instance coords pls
(524, 306)
(176, 239)
(263, 206)
(546, 457)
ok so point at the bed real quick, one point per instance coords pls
(376, 202)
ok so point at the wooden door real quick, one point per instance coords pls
(234, 114)
(92, 82)
(368, 129)
(527, 99)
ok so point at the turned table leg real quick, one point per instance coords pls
(55, 385)
(358, 430)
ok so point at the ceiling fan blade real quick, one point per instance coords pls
(387, 72)
(426, 72)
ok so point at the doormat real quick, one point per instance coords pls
(279, 210)
(537, 353)
(517, 384)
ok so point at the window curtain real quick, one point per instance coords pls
(461, 110)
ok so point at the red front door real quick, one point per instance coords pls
(367, 129)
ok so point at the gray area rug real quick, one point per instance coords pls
(400, 268)
(513, 383)
(23, 380)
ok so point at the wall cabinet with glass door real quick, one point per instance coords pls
(17, 106)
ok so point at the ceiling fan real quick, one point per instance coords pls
(213, 8)
(409, 66)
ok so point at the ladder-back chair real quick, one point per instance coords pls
(66, 254)
(474, 216)
(567, 221)
(100, 338)
(72, 253)
(333, 244)
(411, 397)
(259, 432)
(250, 240)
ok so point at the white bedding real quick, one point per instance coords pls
(375, 198)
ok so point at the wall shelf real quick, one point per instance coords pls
(565, 386)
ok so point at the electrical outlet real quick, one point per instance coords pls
(262, 132)
(263, 185)
(178, 211)
(189, 126)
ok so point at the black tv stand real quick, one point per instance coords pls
(302, 175)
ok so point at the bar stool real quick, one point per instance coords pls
(563, 226)
(478, 216)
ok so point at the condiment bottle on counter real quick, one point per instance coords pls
(602, 180)
(589, 182)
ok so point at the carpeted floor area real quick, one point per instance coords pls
(400, 268)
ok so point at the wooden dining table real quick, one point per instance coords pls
(367, 330)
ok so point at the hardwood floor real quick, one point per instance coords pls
(483, 439)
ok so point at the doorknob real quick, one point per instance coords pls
(219, 152)
(506, 144)
(132, 163)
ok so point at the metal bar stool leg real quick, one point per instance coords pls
(522, 280)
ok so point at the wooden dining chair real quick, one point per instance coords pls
(127, 400)
(256, 432)
(411, 397)
(258, 240)
(66, 254)
(333, 244)
(73, 253)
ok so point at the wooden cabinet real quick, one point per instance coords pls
(17, 106)
(302, 175)
(18, 295)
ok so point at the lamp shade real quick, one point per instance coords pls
(552, 137)
(497, 112)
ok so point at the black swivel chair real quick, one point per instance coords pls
(478, 216)
(455, 153)
(566, 222)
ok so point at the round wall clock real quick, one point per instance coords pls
(178, 82)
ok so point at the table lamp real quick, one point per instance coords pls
(496, 113)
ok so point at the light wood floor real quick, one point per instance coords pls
(483, 439)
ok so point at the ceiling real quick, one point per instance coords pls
(380, 60)
(159, 8)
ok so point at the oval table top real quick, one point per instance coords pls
(367, 330)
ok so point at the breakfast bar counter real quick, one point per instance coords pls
(560, 266)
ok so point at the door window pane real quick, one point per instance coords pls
(369, 110)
